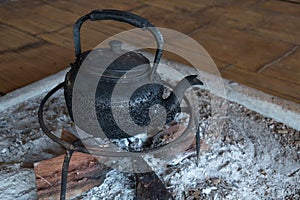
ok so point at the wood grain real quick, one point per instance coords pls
(15, 39)
(85, 172)
(268, 84)
(247, 34)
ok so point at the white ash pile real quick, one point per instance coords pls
(251, 157)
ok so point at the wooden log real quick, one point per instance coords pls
(85, 172)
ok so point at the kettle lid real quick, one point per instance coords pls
(115, 62)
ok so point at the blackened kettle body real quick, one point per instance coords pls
(129, 93)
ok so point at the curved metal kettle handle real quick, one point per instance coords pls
(121, 16)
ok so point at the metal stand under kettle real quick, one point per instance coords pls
(113, 63)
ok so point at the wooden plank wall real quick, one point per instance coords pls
(255, 43)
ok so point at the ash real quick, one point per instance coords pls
(117, 185)
(249, 157)
(239, 164)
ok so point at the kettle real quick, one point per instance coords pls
(141, 90)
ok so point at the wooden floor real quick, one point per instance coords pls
(255, 43)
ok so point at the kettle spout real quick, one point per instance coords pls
(172, 103)
(184, 84)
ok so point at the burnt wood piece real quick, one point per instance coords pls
(149, 186)
(85, 172)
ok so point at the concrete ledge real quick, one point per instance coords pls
(267, 105)
(30, 91)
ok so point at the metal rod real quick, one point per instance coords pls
(198, 144)
(64, 174)
(53, 137)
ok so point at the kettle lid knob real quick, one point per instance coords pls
(115, 46)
